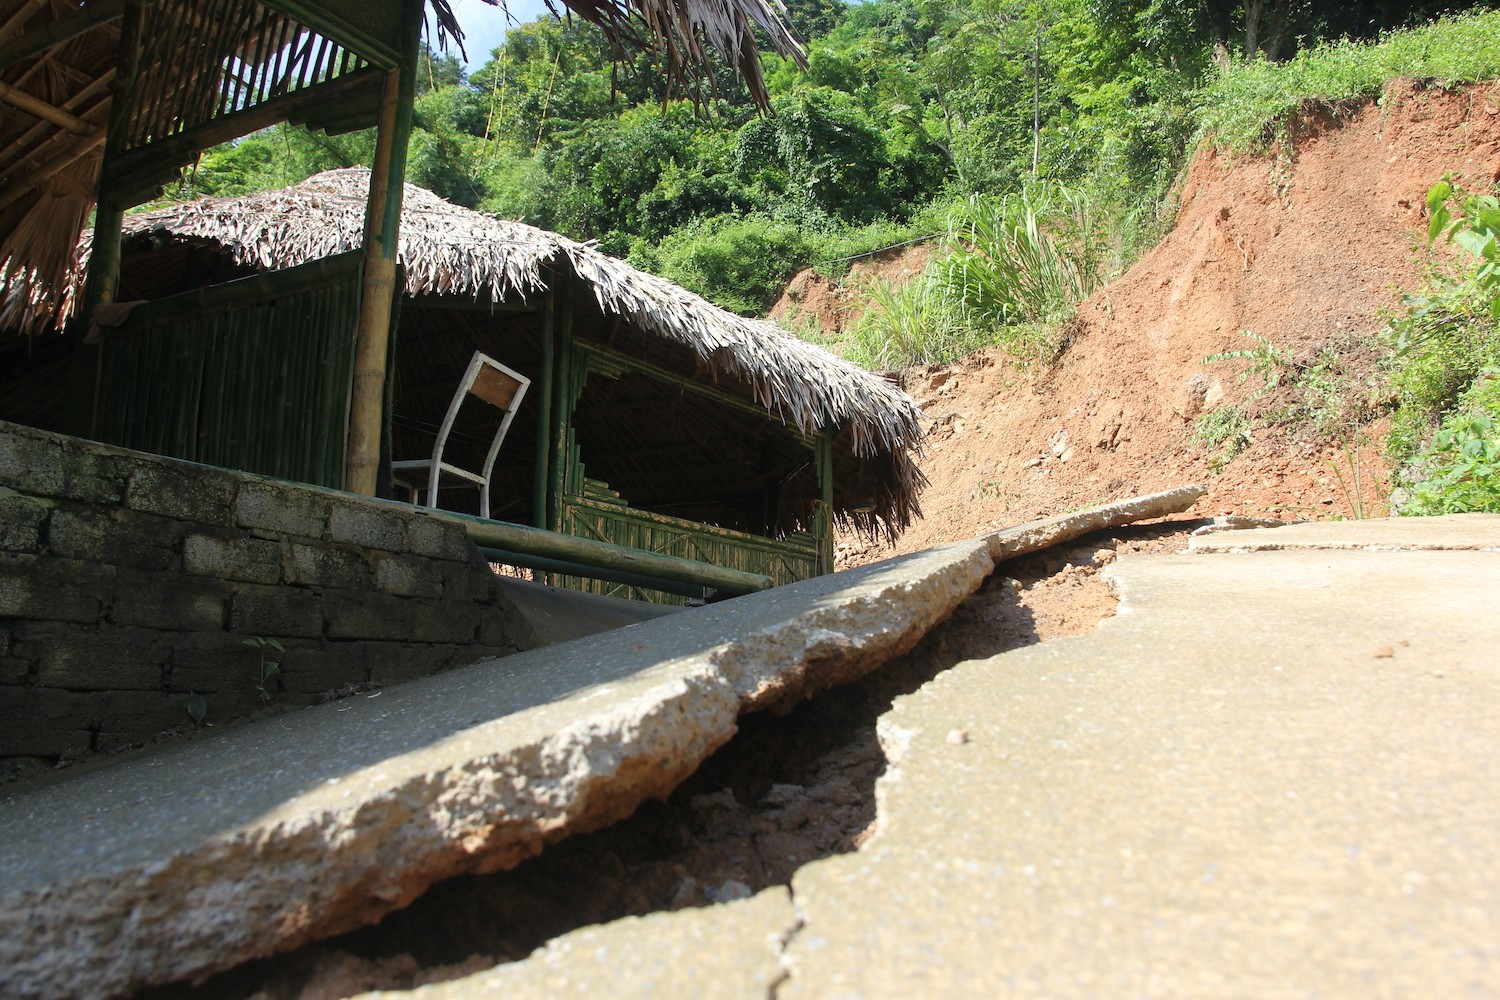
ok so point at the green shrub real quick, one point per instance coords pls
(1461, 467)
(742, 264)
(1444, 338)
(1225, 431)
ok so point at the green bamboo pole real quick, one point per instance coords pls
(823, 516)
(563, 568)
(585, 552)
(540, 515)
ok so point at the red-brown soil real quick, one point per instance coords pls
(1306, 247)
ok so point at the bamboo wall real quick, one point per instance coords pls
(251, 375)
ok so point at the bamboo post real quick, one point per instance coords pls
(823, 516)
(103, 277)
(562, 405)
(540, 515)
(378, 290)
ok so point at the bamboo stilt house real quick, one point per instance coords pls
(655, 419)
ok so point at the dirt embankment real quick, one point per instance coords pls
(1306, 247)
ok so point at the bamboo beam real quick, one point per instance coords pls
(21, 147)
(823, 515)
(34, 43)
(519, 539)
(563, 568)
(41, 109)
(18, 17)
(382, 236)
(562, 405)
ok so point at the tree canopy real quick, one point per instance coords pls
(903, 104)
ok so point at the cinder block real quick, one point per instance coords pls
(21, 520)
(168, 601)
(123, 718)
(408, 576)
(326, 565)
(15, 671)
(500, 629)
(189, 493)
(52, 589)
(464, 582)
(427, 536)
(344, 663)
(110, 659)
(276, 612)
(253, 560)
(369, 616)
(368, 527)
(36, 722)
(214, 663)
(52, 465)
(115, 536)
(443, 621)
(394, 663)
(279, 508)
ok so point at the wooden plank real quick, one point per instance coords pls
(495, 387)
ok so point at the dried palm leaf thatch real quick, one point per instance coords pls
(449, 250)
(679, 29)
(49, 165)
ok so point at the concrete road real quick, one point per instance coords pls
(1272, 774)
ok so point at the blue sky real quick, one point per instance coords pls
(484, 26)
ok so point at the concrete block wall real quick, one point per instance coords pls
(130, 581)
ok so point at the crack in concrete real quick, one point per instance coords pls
(783, 956)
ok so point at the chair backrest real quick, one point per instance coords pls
(492, 382)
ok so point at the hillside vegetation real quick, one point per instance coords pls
(1036, 147)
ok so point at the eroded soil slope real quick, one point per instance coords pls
(1306, 247)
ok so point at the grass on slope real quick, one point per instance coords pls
(1250, 103)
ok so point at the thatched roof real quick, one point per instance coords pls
(213, 59)
(453, 251)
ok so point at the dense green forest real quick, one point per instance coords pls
(907, 108)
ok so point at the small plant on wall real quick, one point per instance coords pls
(269, 666)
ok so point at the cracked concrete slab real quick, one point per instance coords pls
(1269, 775)
(258, 839)
(729, 950)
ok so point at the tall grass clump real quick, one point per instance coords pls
(1026, 258)
(912, 324)
(1011, 271)
(1246, 106)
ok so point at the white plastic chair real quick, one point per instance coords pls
(496, 385)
